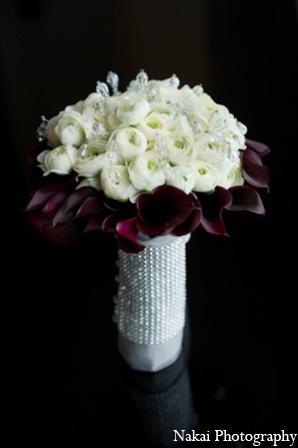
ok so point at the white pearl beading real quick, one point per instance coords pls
(151, 299)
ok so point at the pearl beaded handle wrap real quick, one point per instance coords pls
(150, 304)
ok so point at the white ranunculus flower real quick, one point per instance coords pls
(78, 107)
(151, 85)
(92, 100)
(188, 93)
(197, 112)
(210, 149)
(146, 171)
(165, 94)
(188, 125)
(91, 117)
(71, 128)
(180, 148)
(91, 158)
(235, 133)
(114, 121)
(129, 142)
(111, 104)
(90, 182)
(182, 177)
(116, 184)
(95, 125)
(205, 176)
(229, 173)
(152, 125)
(59, 160)
(226, 129)
(132, 110)
(53, 139)
(206, 101)
(160, 108)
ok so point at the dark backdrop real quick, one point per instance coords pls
(61, 380)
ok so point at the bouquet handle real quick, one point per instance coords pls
(150, 306)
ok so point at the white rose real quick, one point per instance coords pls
(71, 129)
(182, 178)
(132, 110)
(91, 158)
(59, 160)
(180, 148)
(146, 171)
(205, 176)
(229, 173)
(116, 184)
(129, 142)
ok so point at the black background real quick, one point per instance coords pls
(61, 381)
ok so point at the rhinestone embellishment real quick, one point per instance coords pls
(151, 298)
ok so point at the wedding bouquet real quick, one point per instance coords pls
(150, 164)
(154, 161)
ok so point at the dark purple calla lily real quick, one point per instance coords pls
(57, 192)
(213, 205)
(62, 214)
(127, 236)
(258, 147)
(167, 210)
(254, 172)
(246, 198)
(125, 210)
(62, 234)
(82, 202)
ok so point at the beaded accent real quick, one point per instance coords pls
(151, 299)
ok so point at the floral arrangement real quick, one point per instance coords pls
(154, 160)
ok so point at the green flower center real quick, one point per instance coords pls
(179, 144)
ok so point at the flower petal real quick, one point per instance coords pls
(74, 203)
(32, 153)
(260, 148)
(127, 234)
(190, 223)
(246, 198)
(165, 210)
(56, 192)
(212, 207)
(254, 172)
(125, 211)
(61, 234)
